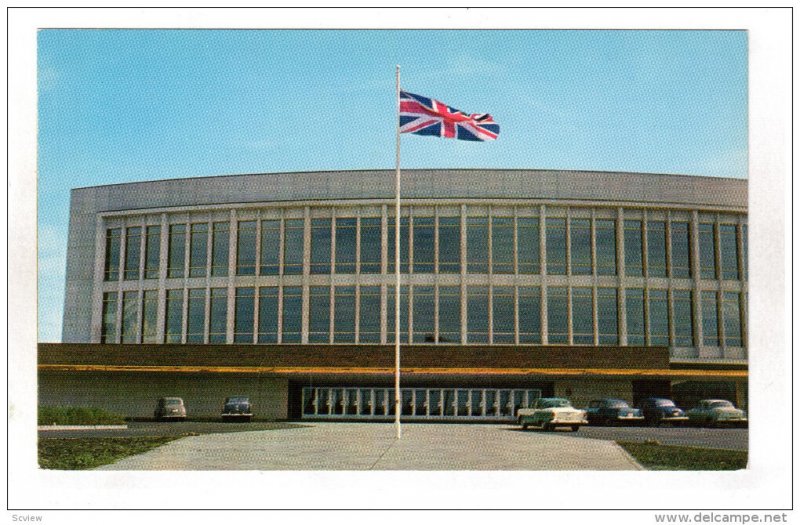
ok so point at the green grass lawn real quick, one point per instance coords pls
(78, 416)
(654, 456)
(87, 453)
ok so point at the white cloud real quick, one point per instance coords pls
(730, 163)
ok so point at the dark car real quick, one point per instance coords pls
(237, 408)
(658, 410)
(612, 411)
(170, 408)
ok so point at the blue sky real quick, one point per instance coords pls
(131, 105)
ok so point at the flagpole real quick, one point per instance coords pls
(397, 264)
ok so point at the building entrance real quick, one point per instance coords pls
(416, 403)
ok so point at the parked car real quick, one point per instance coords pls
(658, 410)
(716, 412)
(610, 411)
(551, 412)
(170, 408)
(237, 408)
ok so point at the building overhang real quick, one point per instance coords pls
(377, 361)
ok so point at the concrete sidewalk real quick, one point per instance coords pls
(372, 446)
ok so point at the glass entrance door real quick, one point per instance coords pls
(416, 403)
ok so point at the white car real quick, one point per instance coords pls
(716, 412)
(551, 412)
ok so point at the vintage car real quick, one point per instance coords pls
(612, 411)
(551, 412)
(658, 410)
(716, 412)
(170, 408)
(237, 408)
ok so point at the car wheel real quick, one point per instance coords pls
(574, 428)
(524, 426)
(547, 427)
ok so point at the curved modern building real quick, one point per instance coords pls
(515, 284)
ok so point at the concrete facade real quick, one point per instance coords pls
(203, 394)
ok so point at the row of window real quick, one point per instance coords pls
(500, 245)
(506, 315)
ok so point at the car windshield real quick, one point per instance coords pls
(664, 403)
(554, 403)
(720, 404)
(173, 402)
(616, 403)
(236, 400)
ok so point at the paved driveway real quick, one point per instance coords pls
(727, 438)
(372, 446)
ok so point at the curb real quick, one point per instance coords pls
(82, 427)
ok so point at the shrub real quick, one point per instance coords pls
(78, 416)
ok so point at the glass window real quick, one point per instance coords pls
(424, 319)
(404, 246)
(268, 314)
(113, 240)
(108, 332)
(556, 246)
(218, 324)
(607, 326)
(292, 322)
(582, 322)
(557, 315)
(244, 315)
(424, 244)
(174, 317)
(729, 251)
(528, 249)
(656, 249)
(580, 241)
(344, 323)
(634, 313)
(477, 245)
(246, 248)
(320, 246)
(293, 246)
(503, 245)
(319, 314)
(530, 314)
(270, 247)
(744, 251)
(133, 251)
(659, 318)
(682, 317)
(449, 314)
(708, 254)
(150, 316)
(449, 244)
(177, 250)
(346, 245)
(220, 249)
(371, 245)
(605, 242)
(198, 255)
(390, 300)
(633, 249)
(369, 329)
(196, 316)
(732, 319)
(152, 252)
(710, 324)
(681, 249)
(477, 314)
(503, 314)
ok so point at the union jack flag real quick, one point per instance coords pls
(426, 116)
